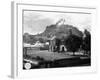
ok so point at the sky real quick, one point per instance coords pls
(35, 22)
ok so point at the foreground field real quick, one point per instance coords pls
(54, 59)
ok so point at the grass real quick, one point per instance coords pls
(54, 55)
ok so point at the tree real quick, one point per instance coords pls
(41, 40)
(73, 43)
(87, 41)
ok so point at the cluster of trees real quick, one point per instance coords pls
(74, 43)
(73, 38)
(86, 45)
(27, 38)
(31, 39)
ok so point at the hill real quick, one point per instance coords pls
(59, 31)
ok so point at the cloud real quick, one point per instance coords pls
(36, 22)
(33, 23)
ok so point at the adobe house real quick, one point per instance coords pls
(53, 44)
(56, 44)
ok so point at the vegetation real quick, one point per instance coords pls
(73, 43)
(86, 45)
(74, 39)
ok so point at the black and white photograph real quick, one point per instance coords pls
(56, 39)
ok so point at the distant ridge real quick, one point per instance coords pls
(62, 30)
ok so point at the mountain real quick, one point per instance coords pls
(63, 30)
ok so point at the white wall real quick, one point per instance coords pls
(5, 38)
